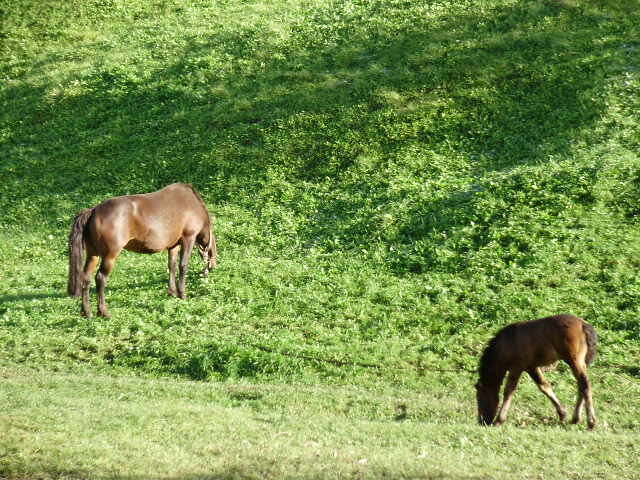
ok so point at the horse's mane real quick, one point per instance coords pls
(487, 368)
(487, 361)
(204, 205)
(195, 192)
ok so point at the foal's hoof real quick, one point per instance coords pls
(86, 314)
(591, 425)
(172, 293)
(104, 314)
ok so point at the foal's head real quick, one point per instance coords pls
(488, 386)
(488, 400)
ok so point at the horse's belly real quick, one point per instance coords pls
(138, 246)
(546, 357)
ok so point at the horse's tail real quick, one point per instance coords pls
(76, 251)
(592, 342)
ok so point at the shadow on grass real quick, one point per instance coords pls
(29, 296)
(631, 371)
(502, 86)
(25, 297)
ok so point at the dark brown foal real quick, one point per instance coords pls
(527, 346)
(174, 219)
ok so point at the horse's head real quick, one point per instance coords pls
(488, 399)
(208, 252)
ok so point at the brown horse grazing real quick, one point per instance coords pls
(527, 346)
(173, 217)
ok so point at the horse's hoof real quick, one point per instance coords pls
(86, 314)
(104, 314)
(172, 293)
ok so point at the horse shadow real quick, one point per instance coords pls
(26, 297)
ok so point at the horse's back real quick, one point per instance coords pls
(109, 226)
(556, 326)
(177, 198)
(572, 339)
(149, 222)
(543, 341)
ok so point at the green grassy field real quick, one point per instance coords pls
(123, 427)
(392, 182)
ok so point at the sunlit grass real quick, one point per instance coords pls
(392, 181)
(69, 426)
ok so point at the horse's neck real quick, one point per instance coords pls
(492, 372)
(494, 377)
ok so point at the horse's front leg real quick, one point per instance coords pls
(173, 261)
(509, 390)
(545, 387)
(185, 255)
(101, 283)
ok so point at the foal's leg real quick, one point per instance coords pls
(185, 255)
(579, 370)
(509, 390)
(101, 282)
(173, 260)
(85, 279)
(577, 411)
(545, 388)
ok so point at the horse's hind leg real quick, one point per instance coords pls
(584, 394)
(577, 411)
(89, 266)
(185, 255)
(509, 390)
(545, 388)
(101, 282)
(173, 261)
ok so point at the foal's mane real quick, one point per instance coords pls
(487, 361)
(487, 368)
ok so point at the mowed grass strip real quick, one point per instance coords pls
(71, 426)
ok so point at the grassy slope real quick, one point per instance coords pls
(392, 182)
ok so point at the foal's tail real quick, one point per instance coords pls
(76, 250)
(592, 341)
